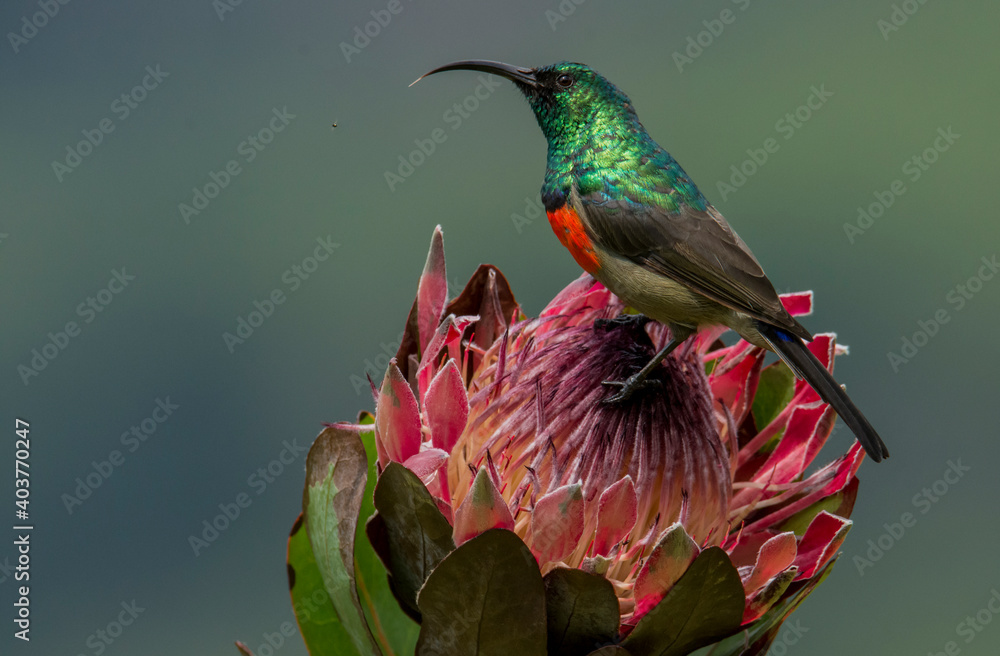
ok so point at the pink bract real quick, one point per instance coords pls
(500, 416)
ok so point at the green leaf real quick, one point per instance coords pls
(486, 598)
(704, 606)
(611, 650)
(581, 611)
(774, 392)
(409, 532)
(394, 632)
(321, 630)
(336, 471)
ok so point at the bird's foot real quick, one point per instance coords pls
(621, 321)
(629, 386)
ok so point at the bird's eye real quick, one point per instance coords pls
(565, 80)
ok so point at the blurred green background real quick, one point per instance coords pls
(227, 72)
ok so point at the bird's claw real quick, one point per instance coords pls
(628, 387)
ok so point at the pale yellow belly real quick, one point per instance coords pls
(666, 300)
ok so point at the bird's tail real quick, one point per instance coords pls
(793, 351)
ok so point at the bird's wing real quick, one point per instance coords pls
(692, 246)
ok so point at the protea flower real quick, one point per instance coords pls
(518, 513)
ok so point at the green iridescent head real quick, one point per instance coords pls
(572, 102)
(596, 143)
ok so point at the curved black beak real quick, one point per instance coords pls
(525, 76)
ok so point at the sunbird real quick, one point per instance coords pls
(635, 221)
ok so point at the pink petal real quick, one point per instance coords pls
(397, 418)
(426, 464)
(667, 562)
(445, 509)
(807, 431)
(776, 555)
(808, 428)
(432, 292)
(425, 375)
(457, 351)
(744, 548)
(557, 523)
(798, 304)
(822, 347)
(824, 483)
(448, 333)
(447, 407)
(706, 337)
(482, 509)
(381, 450)
(617, 511)
(581, 293)
(821, 540)
(734, 380)
(583, 301)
